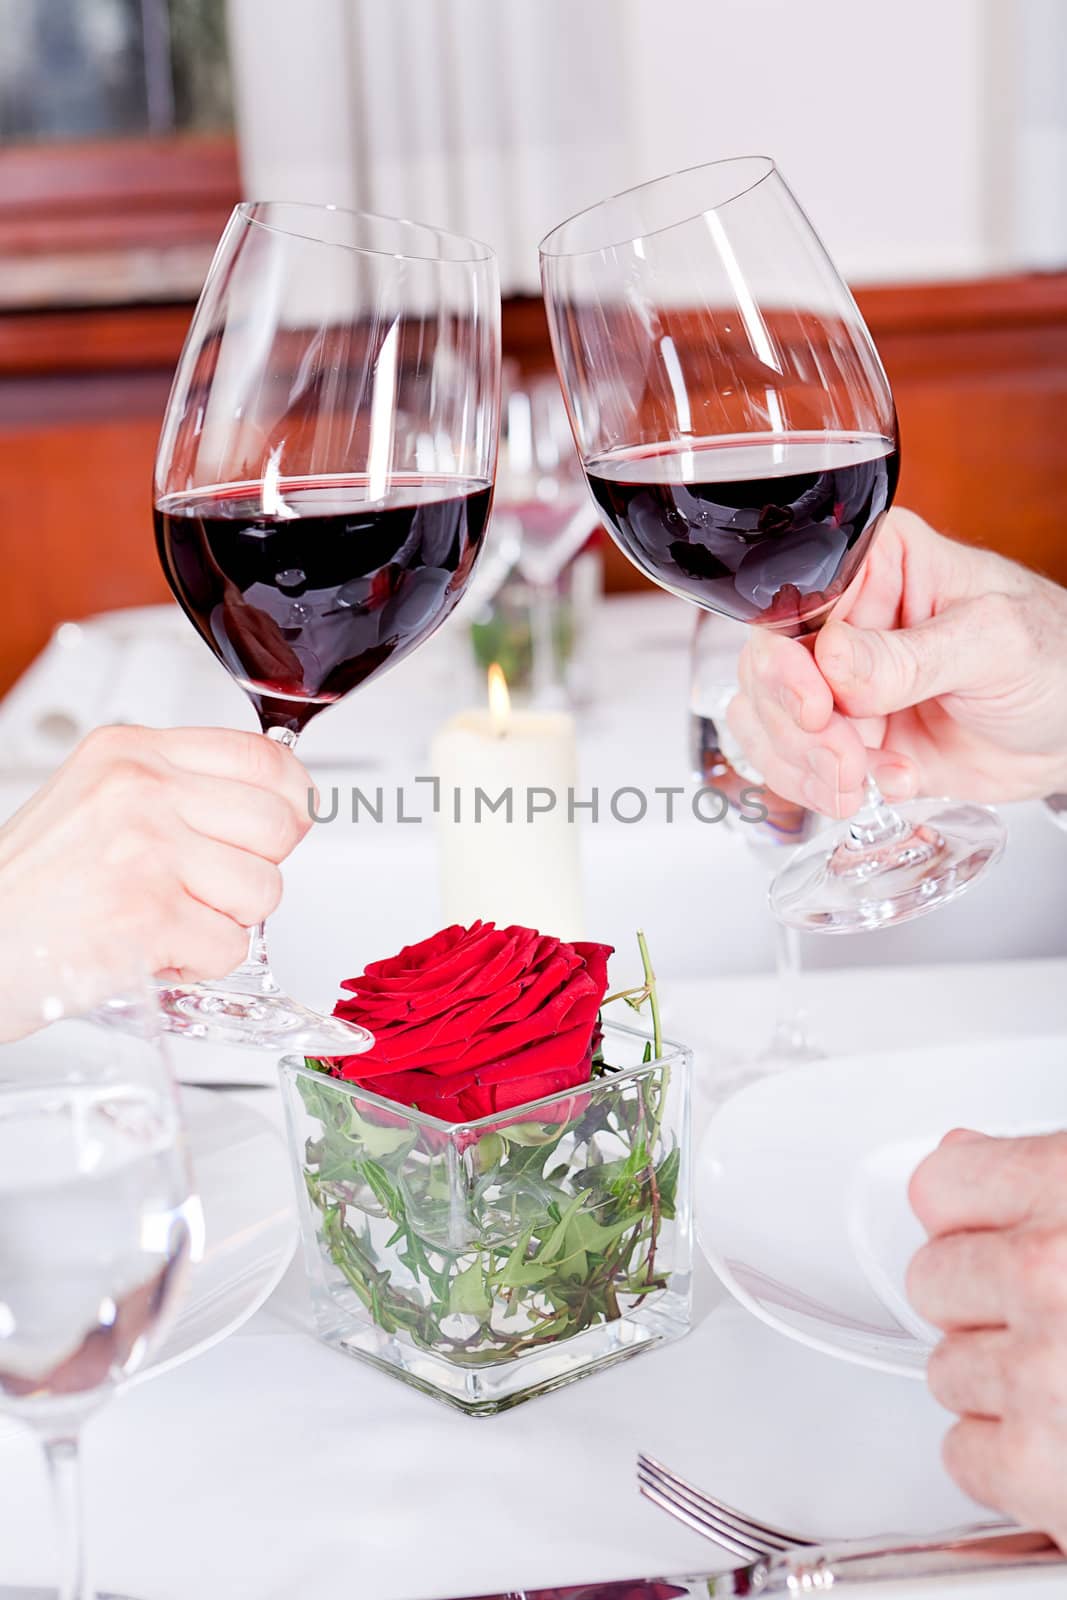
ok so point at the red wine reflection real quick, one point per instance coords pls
(763, 528)
(306, 601)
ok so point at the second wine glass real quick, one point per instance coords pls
(770, 826)
(738, 431)
(322, 488)
(98, 1215)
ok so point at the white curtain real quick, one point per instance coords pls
(496, 118)
(925, 141)
(1040, 151)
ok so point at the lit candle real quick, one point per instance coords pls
(508, 847)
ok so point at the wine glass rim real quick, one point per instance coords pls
(475, 252)
(547, 251)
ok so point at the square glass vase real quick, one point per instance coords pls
(491, 1261)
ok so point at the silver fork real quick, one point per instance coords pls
(744, 1536)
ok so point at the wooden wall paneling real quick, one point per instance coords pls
(70, 196)
(75, 528)
(105, 339)
(986, 463)
(121, 221)
(980, 373)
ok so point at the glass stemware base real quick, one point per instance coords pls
(888, 869)
(260, 1016)
(732, 1073)
(789, 1046)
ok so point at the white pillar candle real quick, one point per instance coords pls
(519, 863)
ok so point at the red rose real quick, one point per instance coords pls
(477, 1020)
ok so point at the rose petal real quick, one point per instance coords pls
(477, 1019)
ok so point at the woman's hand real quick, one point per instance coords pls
(151, 850)
(943, 671)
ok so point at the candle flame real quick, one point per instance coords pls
(499, 700)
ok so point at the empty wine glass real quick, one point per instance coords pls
(542, 509)
(97, 1214)
(322, 487)
(769, 825)
(739, 435)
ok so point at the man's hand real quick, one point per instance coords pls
(942, 671)
(993, 1277)
(146, 850)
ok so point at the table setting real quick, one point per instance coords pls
(528, 1215)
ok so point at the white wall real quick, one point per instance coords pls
(926, 138)
(293, 102)
(1038, 183)
(874, 113)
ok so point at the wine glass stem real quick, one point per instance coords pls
(544, 644)
(790, 1031)
(877, 823)
(254, 975)
(64, 1474)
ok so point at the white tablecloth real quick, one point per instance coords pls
(355, 892)
(273, 1467)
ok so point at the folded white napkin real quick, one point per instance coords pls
(144, 667)
(59, 697)
(168, 681)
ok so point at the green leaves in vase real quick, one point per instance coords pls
(487, 1248)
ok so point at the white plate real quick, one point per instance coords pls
(884, 1230)
(241, 1168)
(778, 1170)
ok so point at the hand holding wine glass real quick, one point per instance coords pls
(157, 847)
(323, 483)
(943, 670)
(738, 431)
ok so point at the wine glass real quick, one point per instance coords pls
(539, 478)
(770, 826)
(97, 1213)
(322, 488)
(542, 518)
(738, 432)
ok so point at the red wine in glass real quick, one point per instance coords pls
(738, 431)
(762, 528)
(307, 602)
(322, 487)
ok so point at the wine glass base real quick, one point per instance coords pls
(940, 849)
(778, 1055)
(732, 1073)
(264, 1021)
